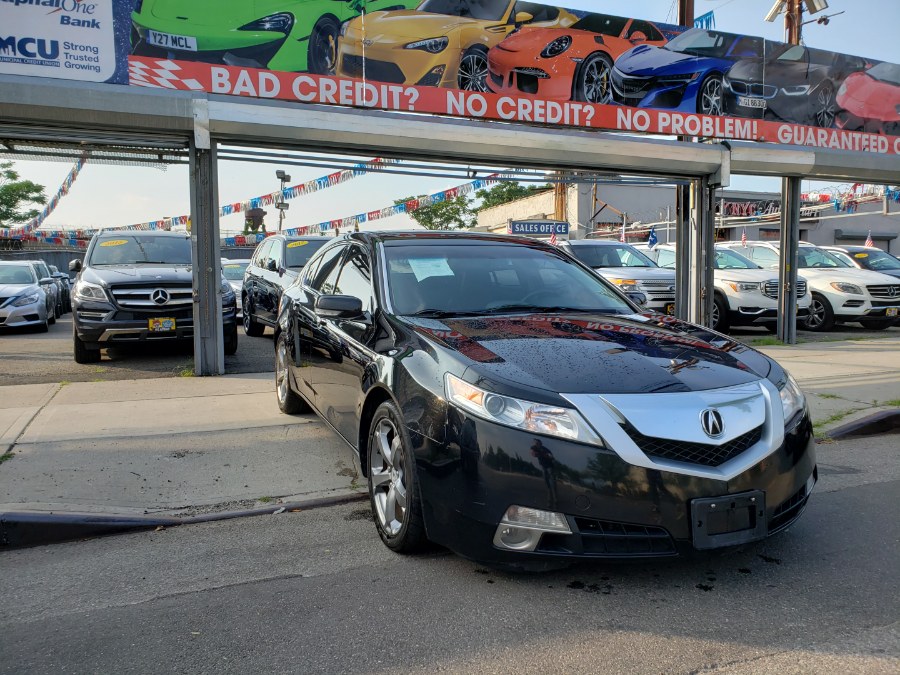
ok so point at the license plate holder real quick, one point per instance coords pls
(163, 324)
(670, 308)
(728, 520)
(751, 102)
(184, 43)
(890, 311)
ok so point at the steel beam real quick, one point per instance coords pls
(209, 354)
(787, 264)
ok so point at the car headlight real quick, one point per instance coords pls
(538, 418)
(343, 31)
(743, 286)
(847, 288)
(557, 46)
(87, 291)
(797, 90)
(280, 22)
(626, 284)
(792, 399)
(29, 299)
(226, 288)
(678, 79)
(431, 45)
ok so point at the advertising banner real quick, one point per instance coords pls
(490, 59)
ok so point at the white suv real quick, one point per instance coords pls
(839, 293)
(628, 269)
(745, 295)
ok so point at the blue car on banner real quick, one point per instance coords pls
(684, 74)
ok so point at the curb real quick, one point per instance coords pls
(21, 529)
(883, 422)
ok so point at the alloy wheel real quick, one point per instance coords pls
(711, 97)
(816, 315)
(281, 378)
(387, 470)
(715, 316)
(473, 72)
(596, 81)
(825, 107)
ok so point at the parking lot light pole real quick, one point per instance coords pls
(281, 205)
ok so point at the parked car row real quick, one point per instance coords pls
(508, 402)
(32, 293)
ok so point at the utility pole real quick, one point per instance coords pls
(686, 13)
(559, 198)
(793, 21)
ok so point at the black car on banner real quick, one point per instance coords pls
(275, 264)
(798, 85)
(511, 405)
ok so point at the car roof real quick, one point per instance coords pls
(439, 237)
(152, 233)
(595, 242)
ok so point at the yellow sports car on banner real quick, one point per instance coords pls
(441, 43)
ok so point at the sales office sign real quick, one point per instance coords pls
(68, 39)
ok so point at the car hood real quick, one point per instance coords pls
(412, 25)
(849, 275)
(639, 273)
(649, 61)
(217, 13)
(594, 353)
(129, 274)
(746, 275)
(868, 98)
(10, 290)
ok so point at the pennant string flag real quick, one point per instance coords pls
(32, 225)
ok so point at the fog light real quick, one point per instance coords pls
(521, 527)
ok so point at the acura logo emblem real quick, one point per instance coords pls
(711, 421)
(160, 296)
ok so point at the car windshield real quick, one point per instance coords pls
(234, 270)
(299, 252)
(485, 10)
(601, 23)
(136, 249)
(464, 278)
(729, 260)
(812, 257)
(885, 72)
(17, 274)
(876, 260)
(701, 43)
(607, 255)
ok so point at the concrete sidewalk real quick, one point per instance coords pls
(188, 446)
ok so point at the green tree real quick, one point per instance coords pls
(506, 191)
(16, 195)
(450, 214)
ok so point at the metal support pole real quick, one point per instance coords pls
(209, 354)
(695, 250)
(682, 251)
(787, 265)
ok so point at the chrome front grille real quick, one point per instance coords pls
(753, 89)
(630, 87)
(660, 291)
(149, 297)
(694, 453)
(770, 289)
(885, 291)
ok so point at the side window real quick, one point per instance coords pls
(326, 275)
(310, 269)
(643, 27)
(666, 258)
(765, 257)
(748, 47)
(355, 277)
(262, 252)
(276, 253)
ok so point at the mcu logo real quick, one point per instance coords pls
(28, 49)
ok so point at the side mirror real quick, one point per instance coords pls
(47, 281)
(75, 265)
(523, 17)
(638, 37)
(281, 271)
(271, 266)
(339, 307)
(637, 298)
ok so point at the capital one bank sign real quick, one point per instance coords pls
(68, 39)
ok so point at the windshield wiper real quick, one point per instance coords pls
(507, 309)
(433, 313)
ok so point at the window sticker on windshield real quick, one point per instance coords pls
(430, 267)
(114, 242)
(861, 255)
(295, 244)
(231, 267)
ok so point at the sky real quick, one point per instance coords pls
(105, 196)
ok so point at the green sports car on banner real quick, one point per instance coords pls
(291, 35)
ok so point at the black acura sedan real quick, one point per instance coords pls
(511, 405)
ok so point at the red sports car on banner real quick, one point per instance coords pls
(566, 64)
(870, 101)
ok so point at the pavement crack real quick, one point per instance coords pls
(40, 409)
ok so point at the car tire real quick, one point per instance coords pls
(289, 402)
(877, 324)
(322, 55)
(821, 315)
(251, 326)
(824, 107)
(51, 319)
(473, 70)
(589, 79)
(720, 320)
(83, 354)
(230, 342)
(710, 96)
(43, 327)
(392, 480)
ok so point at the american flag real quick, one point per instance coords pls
(553, 238)
(869, 242)
(744, 237)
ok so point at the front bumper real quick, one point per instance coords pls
(614, 509)
(515, 74)
(29, 315)
(390, 61)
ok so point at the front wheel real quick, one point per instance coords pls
(83, 354)
(322, 55)
(231, 341)
(393, 487)
(473, 71)
(593, 83)
(709, 99)
(720, 321)
(288, 401)
(821, 315)
(825, 107)
(251, 326)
